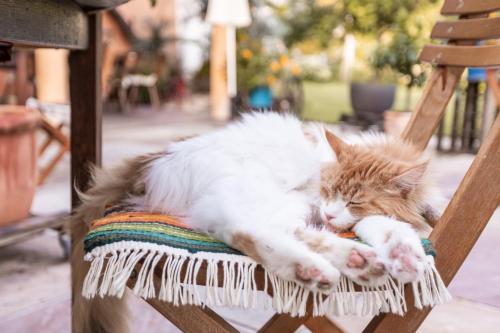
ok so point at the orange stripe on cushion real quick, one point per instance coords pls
(138, 217)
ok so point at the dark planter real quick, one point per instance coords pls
(100, 3)
(369, 101)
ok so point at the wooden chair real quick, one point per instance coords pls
(55, 124)
(454, 235)
(472, 205)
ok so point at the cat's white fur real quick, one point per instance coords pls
(259, 177)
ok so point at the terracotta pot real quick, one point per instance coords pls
(17, 162)
(395, 122)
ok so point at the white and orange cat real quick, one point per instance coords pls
(258, 184)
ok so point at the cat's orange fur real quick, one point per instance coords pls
(385, 178)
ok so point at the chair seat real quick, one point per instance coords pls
(168, 260)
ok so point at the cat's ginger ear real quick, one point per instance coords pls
(335, 142)
(410, 177)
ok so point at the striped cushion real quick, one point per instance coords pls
(171, 256)
(120, 223)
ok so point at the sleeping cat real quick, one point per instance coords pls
(256, 184)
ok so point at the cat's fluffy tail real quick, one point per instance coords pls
(108, 314)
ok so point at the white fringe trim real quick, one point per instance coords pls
(112, 265)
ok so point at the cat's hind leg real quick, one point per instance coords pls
(397, 244)
(285, 256)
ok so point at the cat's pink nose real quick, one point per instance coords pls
(329, 216)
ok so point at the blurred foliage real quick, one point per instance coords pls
(401, 55)
(317, 19)
(376, 16)
(257, 67)
(389, 33)
(308, 20)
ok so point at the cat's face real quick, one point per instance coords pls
(362, 182)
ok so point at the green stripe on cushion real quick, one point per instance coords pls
(156, 227)
(112, 236)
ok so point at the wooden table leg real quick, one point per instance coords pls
(86, 108)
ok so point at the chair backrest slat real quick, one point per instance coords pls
(466, 56)
(465, 7)
(471, 29)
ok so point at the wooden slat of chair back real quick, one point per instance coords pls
(465, 7)
(463, 35)
(470, 29)
(465, 56)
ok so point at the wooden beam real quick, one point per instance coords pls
(322, 325)
(432, 106)
(188, 318)
(462, 7)
(20, 233)
(43, 23)
(191, 318)
(466, 56)
(471, 29)
(219, 98)
(281, 323)
(457, 231)
(86, 107)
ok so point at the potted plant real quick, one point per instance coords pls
(401, 57)
(265, 77)
(390, 23)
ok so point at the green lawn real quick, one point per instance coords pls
(327, 101)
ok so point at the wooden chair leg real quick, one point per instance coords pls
(192, 319)
(455, 234)
(123, 99)
(322, 325)
(47, 170)
(154, 97)
(45, 145)
(188, 318)
(283, 323)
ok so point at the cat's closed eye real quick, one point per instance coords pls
(354, 203)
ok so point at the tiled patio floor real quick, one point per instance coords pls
(34, 281)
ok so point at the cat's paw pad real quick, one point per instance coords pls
(356, 259)
(314, 277)
(406, 261)
(364, 267)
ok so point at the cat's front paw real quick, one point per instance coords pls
(405, 257)
(357, 261)
(363, 266)
(314, 277)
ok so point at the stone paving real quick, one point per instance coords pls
(34, 280)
